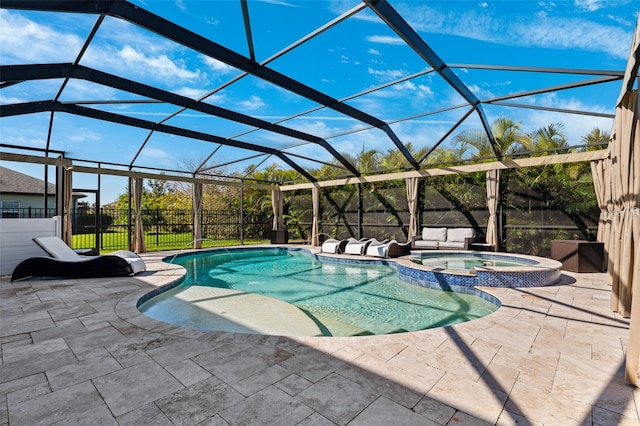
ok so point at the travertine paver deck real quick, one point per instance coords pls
(79, 352)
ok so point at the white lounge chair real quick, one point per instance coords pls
(357, 246)
(333, 246)
(388, 249)
(64, 262)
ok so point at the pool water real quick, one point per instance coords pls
(466, 262)
(343, 299)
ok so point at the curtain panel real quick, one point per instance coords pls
(493, 189)
(196, 197)
(139, 245)
(412, 185)
(67, 230)
(315, 235)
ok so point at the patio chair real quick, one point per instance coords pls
(388, 249)
(66, 263)
(358, 246)
(333, 245)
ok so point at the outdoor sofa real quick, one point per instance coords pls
(444, 238)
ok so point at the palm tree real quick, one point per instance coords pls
(550, 140)
(368, 160)
(506, 133)
(395, 160)
(596, 139)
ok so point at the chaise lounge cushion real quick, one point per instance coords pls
(357, 246)
(333, 245)
(388, 249)
(64, 262)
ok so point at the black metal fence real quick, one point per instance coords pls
(167, 228)
(27, 213)
(529, 217)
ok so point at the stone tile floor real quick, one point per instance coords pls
(79, 352)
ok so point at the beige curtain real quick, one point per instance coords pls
(315, 236)
(276, 204)
(625, 170)
(493, 188)
(67, 196)
(412, 185)
(600, 170)
(196, 199)
(139, 245)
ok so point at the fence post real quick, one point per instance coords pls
(158, 227)
(360, 213)
(242, 213)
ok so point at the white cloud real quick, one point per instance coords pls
(387, 75)
(218, 66)
(385, 39)
(480, 92)
(82, 134)
(537, 31)
(620, 20)
(180, 5)
(280, 3)
(374, 52)
(156, 154)
(11, 100)
(25, 41)
(573, 34)
(23, 140)
(575, 125)
(160, 65)
(483, 4)
(82, 90)
(191, 92)
(589, 5)
(253, 103)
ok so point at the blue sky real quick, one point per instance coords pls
(354, 56)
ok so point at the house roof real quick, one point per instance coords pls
(18, 183)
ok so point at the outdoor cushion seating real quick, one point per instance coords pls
(357, 246)
(333, 245)
(430, 238)
(444, 239)
(388, 249)
(66, 263)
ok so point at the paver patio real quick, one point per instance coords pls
(79, 352)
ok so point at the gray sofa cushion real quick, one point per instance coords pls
(434, 234)
(426, 244)
(459, 234)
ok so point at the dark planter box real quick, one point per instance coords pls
(279, 237)
(579, 255)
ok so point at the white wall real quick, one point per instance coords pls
(16, 240)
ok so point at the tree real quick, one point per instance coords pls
(549, 140)
(596, 139)
(506, 133)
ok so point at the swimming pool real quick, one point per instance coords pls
(342, 299)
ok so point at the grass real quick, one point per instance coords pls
(155, 242)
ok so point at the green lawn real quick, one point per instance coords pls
(155, 242)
